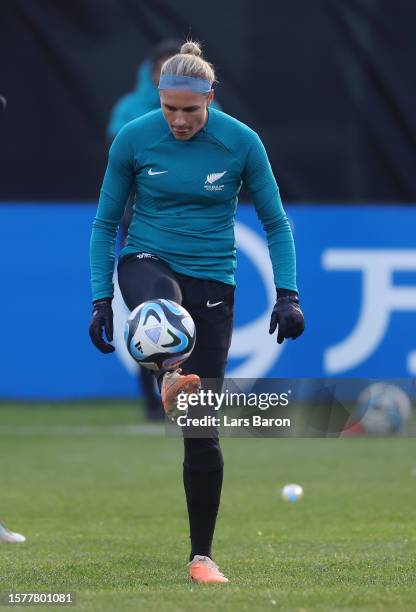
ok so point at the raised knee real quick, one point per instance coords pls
(168, 289)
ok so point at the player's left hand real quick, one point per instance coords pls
(288, 316)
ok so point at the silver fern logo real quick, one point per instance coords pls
(213, 178)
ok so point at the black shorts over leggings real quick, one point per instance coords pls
(142, 277)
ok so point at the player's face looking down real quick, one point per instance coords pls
(185, 111)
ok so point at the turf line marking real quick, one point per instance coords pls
(83, 430)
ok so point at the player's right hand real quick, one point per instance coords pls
(102, 319)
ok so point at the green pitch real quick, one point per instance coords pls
(101, 503)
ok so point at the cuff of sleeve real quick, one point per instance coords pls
(285, 292)
(104, 299)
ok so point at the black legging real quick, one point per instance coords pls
(143, 278)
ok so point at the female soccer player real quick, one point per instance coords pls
(187, 162)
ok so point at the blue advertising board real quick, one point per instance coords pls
(356, 275)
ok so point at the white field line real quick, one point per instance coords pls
(82, 430)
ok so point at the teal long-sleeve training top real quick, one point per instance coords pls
(186, 200)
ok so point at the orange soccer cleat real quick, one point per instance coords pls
(174, 384)
(204, 570)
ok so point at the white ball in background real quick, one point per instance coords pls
(292, 493)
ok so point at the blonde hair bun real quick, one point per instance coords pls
(189, 62)
(191, 48)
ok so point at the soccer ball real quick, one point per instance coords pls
(383, 408)
(292, 493)
(160, 334)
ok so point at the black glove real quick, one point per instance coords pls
(288, 315)
(102, 317)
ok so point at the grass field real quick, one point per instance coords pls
(100, 501)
